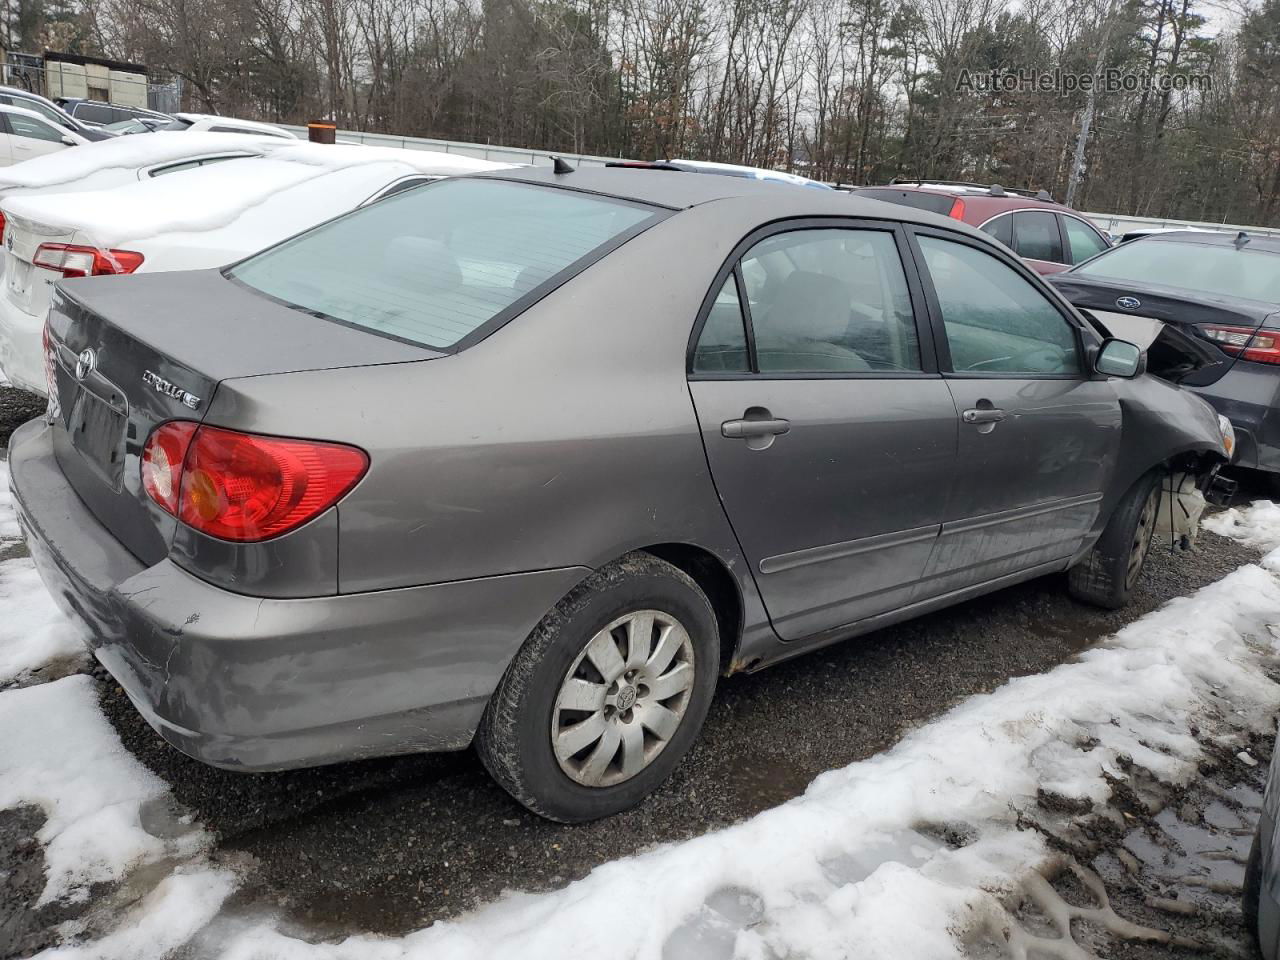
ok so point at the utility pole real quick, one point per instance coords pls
(1090, 108)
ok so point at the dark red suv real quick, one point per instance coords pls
(1050, 236)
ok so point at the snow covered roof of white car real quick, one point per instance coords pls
(298, 184)
(132, 153)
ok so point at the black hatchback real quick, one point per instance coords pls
(1223, 289)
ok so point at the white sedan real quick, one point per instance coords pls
(25, 134)
(207, 217)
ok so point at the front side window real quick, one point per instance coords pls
(830, 300)
(1035, 236)
(32, 128)
(432, 265)
(1083, 240)
(996, 321)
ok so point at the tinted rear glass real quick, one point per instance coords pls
(1221, 271)
(93, 113)
(432, 265)
(919, 199)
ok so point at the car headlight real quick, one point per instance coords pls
(1228, 436)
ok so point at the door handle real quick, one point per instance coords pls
(983, 415)
(748, 429)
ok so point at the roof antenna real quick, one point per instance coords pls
(1241, 239)
(1044, 195)
(559, 167)
(996, 190)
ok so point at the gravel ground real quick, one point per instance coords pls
(391, 845)
(16, 408)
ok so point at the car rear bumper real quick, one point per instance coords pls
(21, 347)
(257, 684)
(1249, 396)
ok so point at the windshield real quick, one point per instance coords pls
(432, 265)
(1218, 270)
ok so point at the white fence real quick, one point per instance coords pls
(1111, 223)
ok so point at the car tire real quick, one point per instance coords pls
(1107, 575)
(1251, 898)
(532, 724)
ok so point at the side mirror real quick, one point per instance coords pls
(67, 141)
(1120, 358)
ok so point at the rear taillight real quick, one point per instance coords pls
(1260, 346)
(3, 224)
(242, 486)
(957, 209)
(75, 260)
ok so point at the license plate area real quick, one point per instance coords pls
(18, 279)
(96, 428)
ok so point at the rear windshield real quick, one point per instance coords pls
(1221, 271)
(432, 265)
(919, 199)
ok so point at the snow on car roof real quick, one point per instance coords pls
(300, 183)
(132, 153)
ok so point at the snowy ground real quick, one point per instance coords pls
(948, 835)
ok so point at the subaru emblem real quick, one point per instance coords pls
(85, 363)
(1129, 303)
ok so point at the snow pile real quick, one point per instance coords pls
(9, 531)
(33, 632)
(1257, 525)
(61, 755)
(213, 196)
(127, 155)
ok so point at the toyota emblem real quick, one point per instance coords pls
(86, 363)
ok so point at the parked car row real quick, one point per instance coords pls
(369, 457)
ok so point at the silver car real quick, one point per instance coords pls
(529, 460)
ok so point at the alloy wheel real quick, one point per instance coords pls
(623, 698)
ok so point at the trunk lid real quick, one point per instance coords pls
(26, 286)
(128, 353)
(1184, 310)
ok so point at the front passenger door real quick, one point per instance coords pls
(31, 137)
(830, 435)
(1038, 434)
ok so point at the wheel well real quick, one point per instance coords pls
(713, 577)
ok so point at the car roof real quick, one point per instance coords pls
(678, 190)
(19, 92)
(1254, 241)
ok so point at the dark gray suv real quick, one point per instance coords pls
(530, 460)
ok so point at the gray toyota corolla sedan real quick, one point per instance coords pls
(530, 460)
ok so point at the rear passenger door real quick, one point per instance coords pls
(1038, 433)
(830, 434)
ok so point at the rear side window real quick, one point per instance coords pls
(1082, 239)
(722, 345)
(432, 265)
(917, 199)
(828, 301)
(93, 113)
(1035, 236)
(1001, 228)
(996, 322)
